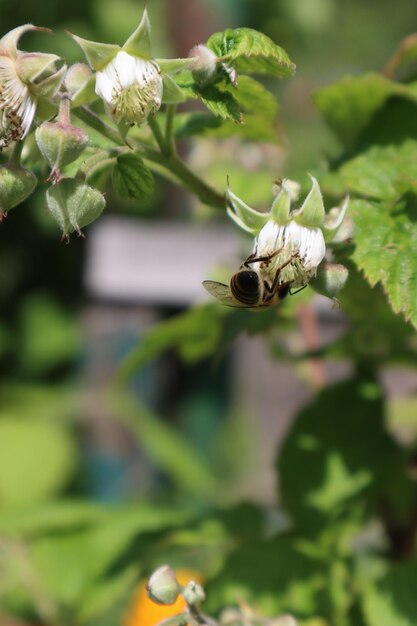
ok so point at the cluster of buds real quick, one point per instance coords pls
(164, 588)
(294, 240)
(131, 83)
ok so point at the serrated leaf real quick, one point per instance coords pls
(385, 250)
(392, 600)
(259, 108)
(327, 464)
(132, 178)
(220, 102)
(383, 172)
(251, 51)
(350, 104)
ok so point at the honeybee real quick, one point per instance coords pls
(253, 288)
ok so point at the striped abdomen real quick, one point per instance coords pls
(246, 287)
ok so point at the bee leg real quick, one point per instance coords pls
(292, 293)
(278, 272)
(267, 258)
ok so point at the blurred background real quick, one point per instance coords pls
(198, 435)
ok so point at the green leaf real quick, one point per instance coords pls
(337, 454)
(57, 515)
(276, 576)
(259, 108)
(392, 601)
(383, 172)
(349, 104)
(71, 563)
(221, 103)
(106, 595)
(23, 443)
(132, 178)
(250, 51)
(385, 250)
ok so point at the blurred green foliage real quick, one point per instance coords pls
(347, 488)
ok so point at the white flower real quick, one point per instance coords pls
(131, 87)
(17, 105)
(298, 249)
(25, 78)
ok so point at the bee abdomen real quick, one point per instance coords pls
(246, 288)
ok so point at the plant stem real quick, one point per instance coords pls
(14, 159)
(169, 161)
(169, 129)
(89, 117)
(157, 133)
(193, 183)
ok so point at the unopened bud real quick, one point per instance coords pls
(16, 184)
(193, 593)
(79, 83)
(76, 76)
(330, 279)
(163, 587)
(59, 142)
(74, 204)
(205, 64)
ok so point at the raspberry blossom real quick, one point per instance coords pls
(296, 240)
(131, 83)
(25, 79)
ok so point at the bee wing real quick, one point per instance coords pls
(222, 292)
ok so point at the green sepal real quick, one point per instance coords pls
(16, 184)
(172, 94)
(139, 42)
(243, 215)
(312, 211)
(48, 87)
(280, 209)
(74, 204)
(332, 223)
(8, 43)
(97, 54)
(86, 93)
(170, 66)
(30, 65)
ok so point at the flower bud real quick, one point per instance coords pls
(74, 204)
(16, 184)
(79, 83)
(76, 76)
(163, 587)
(205, 64)
(330, 279)
(193, 593)
(59, 142)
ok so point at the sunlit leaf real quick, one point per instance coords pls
(37, 459)
(251, 51)
(392, 601)
(337, 454)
